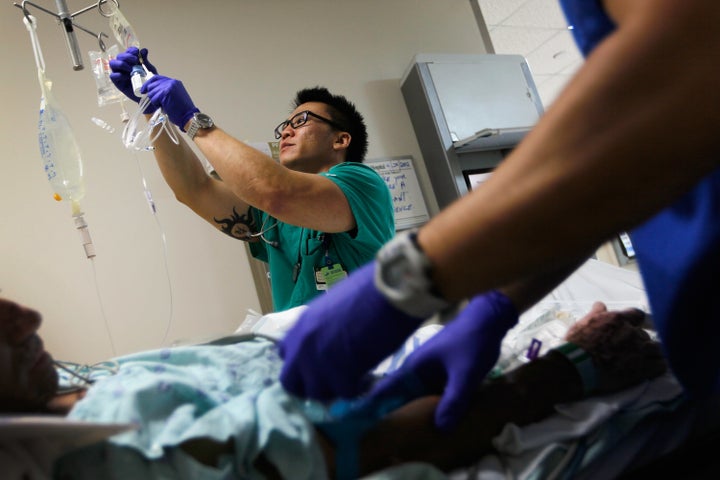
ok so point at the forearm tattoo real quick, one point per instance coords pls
(237, 226)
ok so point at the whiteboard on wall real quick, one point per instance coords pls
(400, 177)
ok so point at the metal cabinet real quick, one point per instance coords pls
(468, 112)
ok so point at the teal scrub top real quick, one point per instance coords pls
(306, 250)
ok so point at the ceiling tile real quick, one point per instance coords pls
(538, 13)
(555, 54)
(550, 86)
(517, 40)
(495, 12)
(536, 29)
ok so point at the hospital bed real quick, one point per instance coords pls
(596, 438)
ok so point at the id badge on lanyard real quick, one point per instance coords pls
(331, 272)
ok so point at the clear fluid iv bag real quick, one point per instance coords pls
(121, 28)
(59, 150)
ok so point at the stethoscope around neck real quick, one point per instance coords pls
(263, 231)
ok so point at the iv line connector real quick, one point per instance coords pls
(82, 229)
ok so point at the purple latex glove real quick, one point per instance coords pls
(456, 360)
(170, 94)
(340, 337)
(122, 66)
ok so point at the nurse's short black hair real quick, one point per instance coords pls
(343, 112)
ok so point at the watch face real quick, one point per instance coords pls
(204, 121)
(395, 271)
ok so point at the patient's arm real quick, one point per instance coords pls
(622, 352)
(623, 355)
(525, 395)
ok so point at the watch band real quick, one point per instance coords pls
(199, 121)
(192, 129)
(409, 287)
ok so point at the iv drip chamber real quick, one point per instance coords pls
(82, 228)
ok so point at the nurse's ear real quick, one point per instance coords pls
(342, 141)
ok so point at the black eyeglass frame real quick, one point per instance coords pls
(302, 118)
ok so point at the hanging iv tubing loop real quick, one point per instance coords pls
(140, 138)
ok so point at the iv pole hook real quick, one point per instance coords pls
(67, 19)
(25, 11)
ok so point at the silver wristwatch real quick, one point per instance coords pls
(403, 276)
(198, 121)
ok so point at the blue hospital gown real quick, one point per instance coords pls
(216, 392)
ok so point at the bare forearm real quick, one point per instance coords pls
(292, 196)
(528, 291)
(180, 167)
(619, 144)
(253, 176)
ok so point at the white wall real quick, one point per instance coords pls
(242, 61)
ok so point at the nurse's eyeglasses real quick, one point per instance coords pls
(300, 119)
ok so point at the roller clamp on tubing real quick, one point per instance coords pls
(404, 276)
(582, 361)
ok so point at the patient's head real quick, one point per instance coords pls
(28, 379)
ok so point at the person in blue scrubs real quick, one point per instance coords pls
(630, 144)
(314, 216)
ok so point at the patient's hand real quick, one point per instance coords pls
(623, 353)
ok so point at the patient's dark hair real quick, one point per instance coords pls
(344, 113)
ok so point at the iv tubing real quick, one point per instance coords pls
(102, 310)
(143, 139)
(82, 229)
(151, 204)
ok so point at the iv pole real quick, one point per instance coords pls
(67, 20)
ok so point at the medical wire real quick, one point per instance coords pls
(141, 139)
(102, 308)
(83, 372)
(73, 374)
(153, 210)
(263, 231)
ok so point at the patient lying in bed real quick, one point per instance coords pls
(219, 411)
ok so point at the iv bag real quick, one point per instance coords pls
(59, 150)
(123, 31)
(106, 91)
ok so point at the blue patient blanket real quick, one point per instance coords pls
(215, 392)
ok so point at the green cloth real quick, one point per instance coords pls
(371, 204)
(175, 395)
